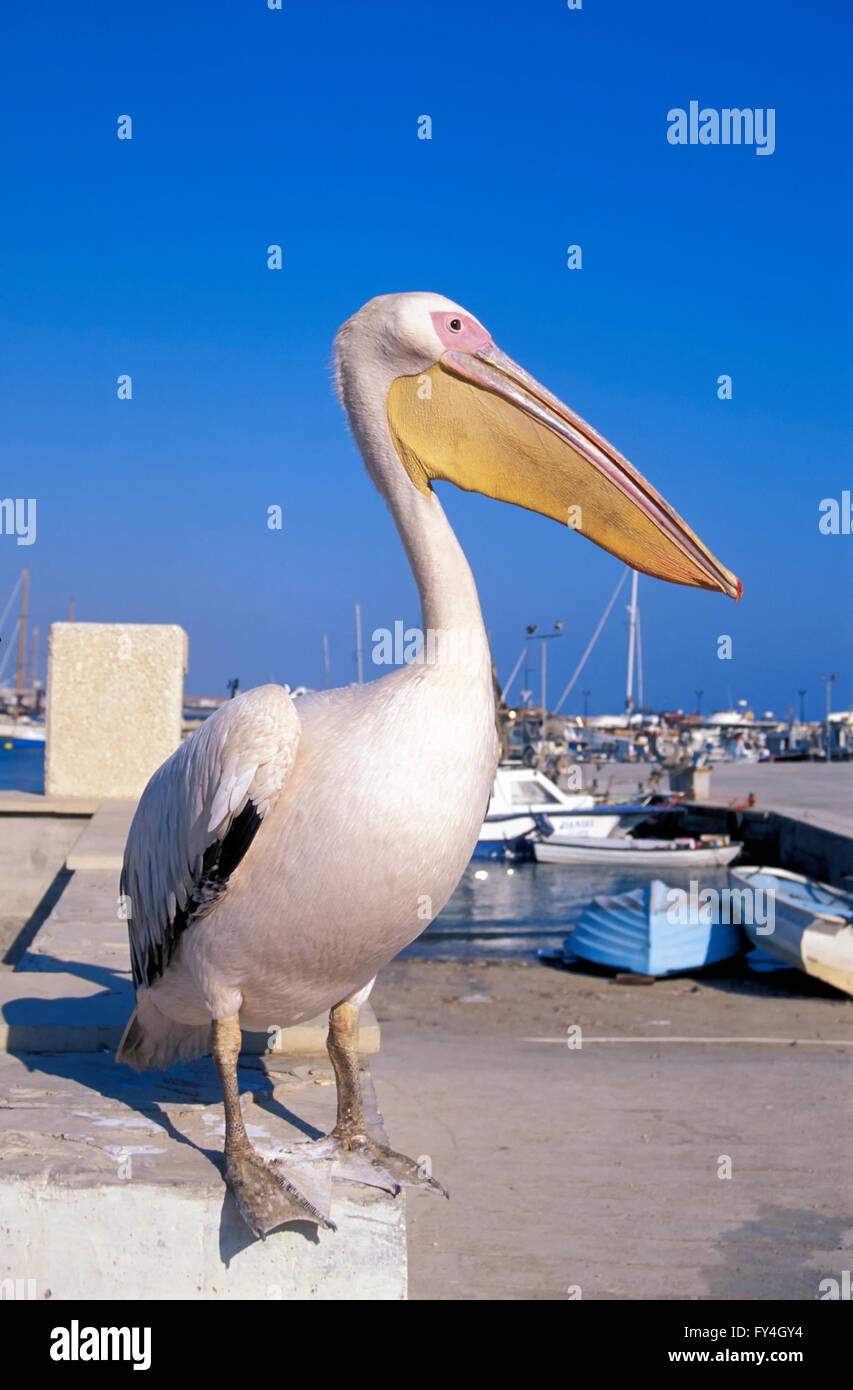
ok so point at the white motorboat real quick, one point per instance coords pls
(809, 925)
(524, 799)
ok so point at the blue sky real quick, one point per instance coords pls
(299, 127)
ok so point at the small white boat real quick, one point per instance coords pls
(645, 931)
(623, 849)
(523, 798)
(799, 921)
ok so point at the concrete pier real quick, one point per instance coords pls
(801, 819)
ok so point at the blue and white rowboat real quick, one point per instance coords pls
(652, 931)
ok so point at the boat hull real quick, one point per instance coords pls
(21, 735)
(812, 924)
(651, 854)
(647, 932)
(508, 837)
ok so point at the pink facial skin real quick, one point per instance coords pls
(467, 338)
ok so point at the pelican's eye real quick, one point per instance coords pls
(455, 325)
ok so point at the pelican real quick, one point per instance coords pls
(288, 850)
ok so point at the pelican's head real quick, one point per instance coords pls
(459, 410)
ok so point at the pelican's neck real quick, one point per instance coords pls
(448, 594)
(445, 583)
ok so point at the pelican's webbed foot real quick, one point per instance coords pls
(264, 1197)
(383, 1160)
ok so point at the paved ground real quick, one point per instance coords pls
(821, 793)
(598, 1167)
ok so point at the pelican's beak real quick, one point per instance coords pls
(480, 421)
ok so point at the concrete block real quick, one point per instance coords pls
(115, 693)
(111, 1187)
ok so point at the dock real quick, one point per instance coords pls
(819, 794)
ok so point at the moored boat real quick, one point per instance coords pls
(523, 798)
(641, 853)
(22, 734)
(809, 925)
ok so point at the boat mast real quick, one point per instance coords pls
(632, 643)
(21, 635)
(593, 639)
(34, 671)
(32, 657)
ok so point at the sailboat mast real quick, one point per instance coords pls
(21, 636)
(632, 643)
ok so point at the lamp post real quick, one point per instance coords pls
(802, 694)
(533, 631)
(828, 681)
(698, 694)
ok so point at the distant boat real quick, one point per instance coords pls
(645, 932)
(625, 850)
(812, 923)
(21, 735)
(524, 798)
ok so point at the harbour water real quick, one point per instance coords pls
(518, 909)
(22, 769)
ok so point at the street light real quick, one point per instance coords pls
(698, 694)
(802, 694)
(828, 680)
(533, 629)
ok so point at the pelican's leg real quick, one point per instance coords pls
(350, 1131)
(264, 1198)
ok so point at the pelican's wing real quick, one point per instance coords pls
(197, 817)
